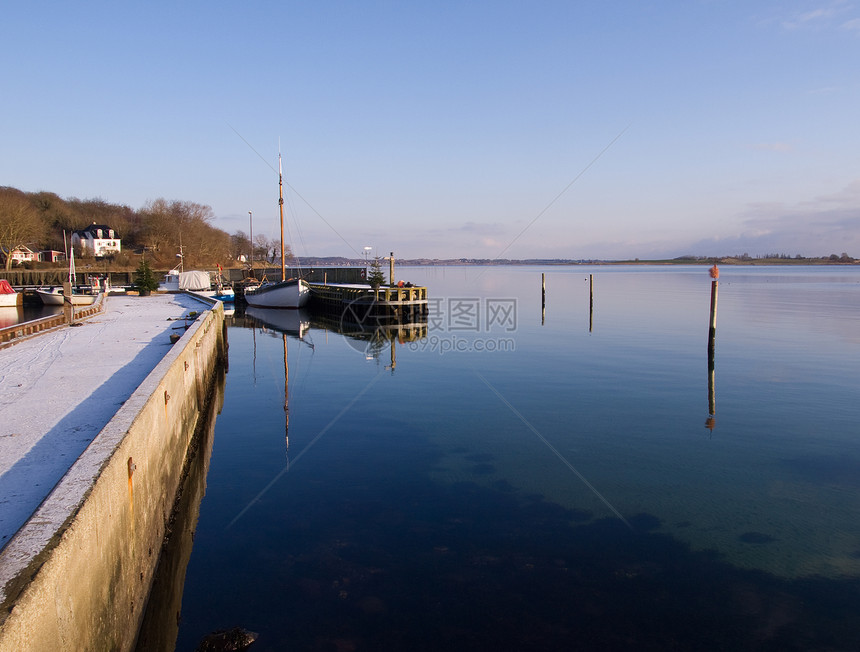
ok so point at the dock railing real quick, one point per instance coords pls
(342, 294)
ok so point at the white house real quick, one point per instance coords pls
(98, 240)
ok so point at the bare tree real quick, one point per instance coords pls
(240, 245)
(20, 223)
(158, 225)
(262, 247)
(171, 225)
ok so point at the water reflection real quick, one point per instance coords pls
(711, 421)
(427, 516)
(12, 315)
(287, 322)
(160, 625)
(294, 323)
(9, 316)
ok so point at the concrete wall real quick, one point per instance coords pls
(160, 627)
(82, 566)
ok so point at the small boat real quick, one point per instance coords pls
(197, 282)
(53, 296)
(8, 297)
(286, 293)
(176, 280)
(292, 293)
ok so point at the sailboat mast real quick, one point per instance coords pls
(281, 206)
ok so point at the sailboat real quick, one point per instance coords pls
(54, 296)
(288, 293)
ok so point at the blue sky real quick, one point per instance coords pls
(552, 129)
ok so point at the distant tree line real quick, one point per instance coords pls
(39, 220)
(745, 257)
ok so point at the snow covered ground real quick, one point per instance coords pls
(59, 389)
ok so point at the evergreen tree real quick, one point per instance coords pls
(144, 278)
(376, 276)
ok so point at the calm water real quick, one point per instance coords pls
(513, 481)
(19, 314)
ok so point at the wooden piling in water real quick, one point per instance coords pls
(590, 302)
(712, 330)
(542, 298)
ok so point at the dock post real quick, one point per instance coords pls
(391, 280)
(68, 306)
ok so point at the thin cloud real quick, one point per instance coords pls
(773, 147)
(824, 225)
(826, 222)
(823, 17)
(482, 228)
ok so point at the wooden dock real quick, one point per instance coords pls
(355, 302)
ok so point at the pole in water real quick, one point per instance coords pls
(712, 330)
(391, 280)
(590, 302)
(542, 298)
(543, 289)
(712, 334)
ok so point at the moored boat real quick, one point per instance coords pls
(292, 293)
(198, 282)
(8, 297)
(53, 296)
(286, 293)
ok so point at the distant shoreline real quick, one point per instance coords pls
(337, 261)
(478, 262)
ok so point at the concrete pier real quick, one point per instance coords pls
(77, 574)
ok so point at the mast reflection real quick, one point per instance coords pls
(293, 323)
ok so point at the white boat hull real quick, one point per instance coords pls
(55, 298)
(286, 294)
(8, 297)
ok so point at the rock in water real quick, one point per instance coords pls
(230, 640)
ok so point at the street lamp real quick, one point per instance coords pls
(367, 250)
